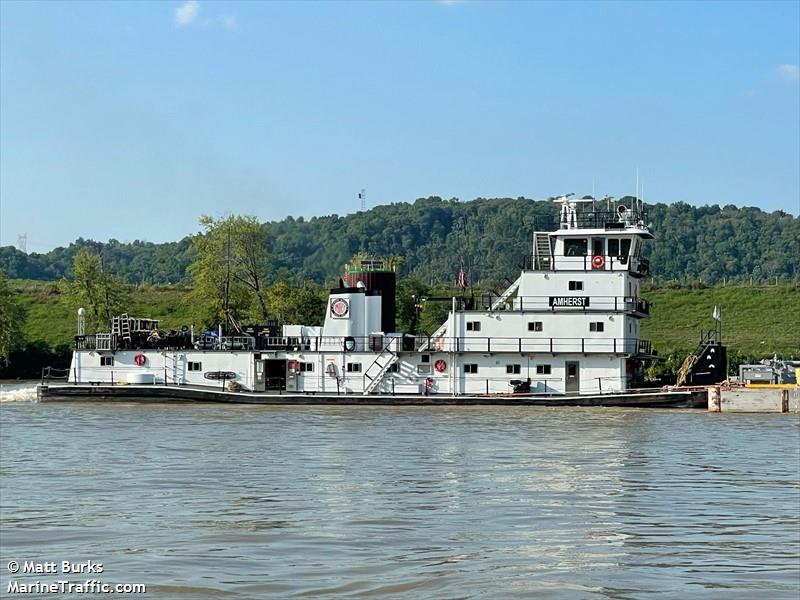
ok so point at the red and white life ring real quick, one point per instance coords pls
(140, 359)
(598, 262)
(440, 366)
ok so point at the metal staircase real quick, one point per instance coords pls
(375, 372)
(542, 253)
(507, 294)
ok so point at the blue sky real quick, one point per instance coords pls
(129, 120)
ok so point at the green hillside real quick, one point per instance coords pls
(757, 320)
(488, 236)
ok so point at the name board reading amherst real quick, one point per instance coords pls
(571, 301)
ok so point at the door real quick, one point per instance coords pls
(275, 374)
(573, 379)
(260, 383)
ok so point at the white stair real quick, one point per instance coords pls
(542, 253)
(507, 294)
(375, 372)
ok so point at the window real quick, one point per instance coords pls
(424, 368)
(106, 361)
(354, 367)
(426, 358)
(306, 367)
(576, 247)
(394, 368)
(626, 247)
(194, 366)
(535, 326)
(596, 326)
(575, 286)
(543, 369)
(513, 369)
(473, 325)
(471, 368)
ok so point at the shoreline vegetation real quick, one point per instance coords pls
(757, 321)
(238, 270)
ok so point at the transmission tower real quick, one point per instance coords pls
(22, 242)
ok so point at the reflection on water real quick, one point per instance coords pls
(199, 501)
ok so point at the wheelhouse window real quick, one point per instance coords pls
(513, 369)
(575, 247)
(194, 366)
(575, 286)
(473, 325)
(613, 247)
(471, 368)
(306, 367)
(106, 361)
(596, 326)
(354, 367)
(543, 369)
(535, 326)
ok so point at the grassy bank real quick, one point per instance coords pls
(757, 320)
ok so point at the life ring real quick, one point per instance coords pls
(440, 366)
(598, 262)
(140, 359)
(349, 343)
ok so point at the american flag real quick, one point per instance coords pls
(462, 279)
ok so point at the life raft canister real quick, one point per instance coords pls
(140, 359)
(598, 262)
(440, 366)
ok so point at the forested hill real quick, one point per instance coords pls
(488, 236)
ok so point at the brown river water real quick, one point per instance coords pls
(209, 501)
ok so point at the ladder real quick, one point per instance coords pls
(542, 256)
(685, 369)
(125, 327)
(375, 372)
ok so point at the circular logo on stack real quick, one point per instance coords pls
(340, 307)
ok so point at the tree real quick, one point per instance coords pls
(11, 318)
(303, 305)
(91, 286)
(230, 270)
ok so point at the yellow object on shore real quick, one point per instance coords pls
(775, 386)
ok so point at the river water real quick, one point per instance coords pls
(208, 501)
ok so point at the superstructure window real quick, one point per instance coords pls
(513, 369)
(306, 367)
(473, 325)
(471, 368)
(575, 247)
(596, 326)
(575, 286)
(106, 361)
(354, 367)
(394, 368)
(535, 326)
(423, 368)
(426, 358)
(543, 369)
(194, 366)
